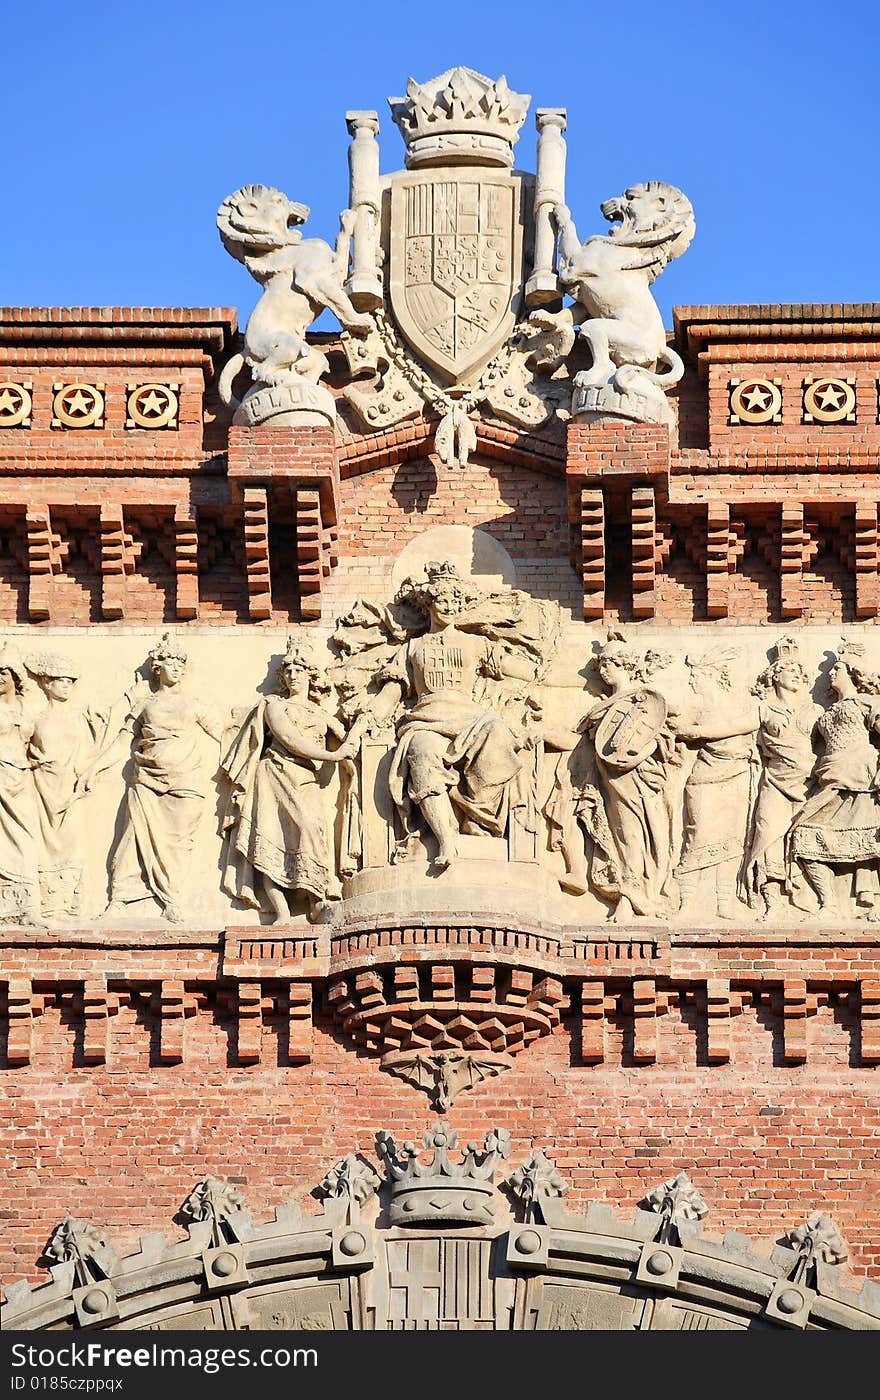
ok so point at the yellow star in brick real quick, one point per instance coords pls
(153, 403)
(80, 402)
(831, 397)
(757, 398)
(10, 402)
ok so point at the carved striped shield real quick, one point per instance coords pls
(456, 263)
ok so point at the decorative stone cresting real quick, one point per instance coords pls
(652, 1270)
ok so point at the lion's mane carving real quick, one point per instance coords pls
(300, 276)
(609, 277)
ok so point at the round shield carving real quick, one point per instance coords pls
(630, 728)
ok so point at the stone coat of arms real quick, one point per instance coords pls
(456, 263)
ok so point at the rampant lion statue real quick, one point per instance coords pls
(609, 277)
(300, 277)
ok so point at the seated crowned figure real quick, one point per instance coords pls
(460, 761)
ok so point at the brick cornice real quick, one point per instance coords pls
(207, 328)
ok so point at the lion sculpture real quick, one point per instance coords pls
(609, 276)
(300, 276)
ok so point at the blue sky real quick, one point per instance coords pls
(127, 125)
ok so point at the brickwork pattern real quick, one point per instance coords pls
(132, 1069)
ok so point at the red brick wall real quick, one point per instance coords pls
(765, 1141)
(124, 1143)
(383, 509)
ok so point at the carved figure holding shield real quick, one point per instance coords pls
(634, 751)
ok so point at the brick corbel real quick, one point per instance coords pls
(118, 557)
(249, 1011)
(92, 1001)
(717, 558)
(300, 1023)
(718, 1004)
(186, 562)
(98, 1005)
(312, 551)
(589, 529)
(298, 466)
(869, 1009)
(256, 549)
(45, 556)
(645, 1004)
(644, 550)
(626, 454)
(866, 559)
(593, 1006)
(22, 1004)
(796, 1005)
(172, 1004)
(791, 558)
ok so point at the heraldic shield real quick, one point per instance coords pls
(456, 263)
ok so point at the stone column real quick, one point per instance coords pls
(364, 285)
(542, 286)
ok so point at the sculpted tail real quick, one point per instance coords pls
(224, 384)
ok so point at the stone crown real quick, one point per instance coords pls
(440, 1190)
(460, 117)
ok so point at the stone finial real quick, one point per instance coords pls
(676, 1200)
(79, 1242)
(818, 1240)
(213, 1201)
(459, 117)
(352, 1180)
(535, 1181)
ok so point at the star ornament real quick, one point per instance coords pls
(15, 405)
(757, 398)
(152, 406)
(830, 396)
(754, 401)
(829, 401)
(79, 403)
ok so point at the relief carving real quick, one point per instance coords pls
(837, 831)
(787, 723)
(166, 792)
(276, 821)
(440, 734)
(442, 1190)
(443, 1074)
(461, 682)
(717, 792)
(64, 745)
(633, 754)
(414, 1265)
(19, 823)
